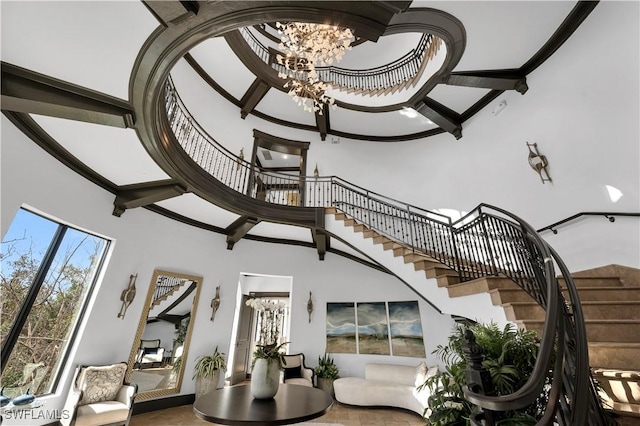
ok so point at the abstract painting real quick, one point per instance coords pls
(406, 329)
(373, 329)
(341, 328)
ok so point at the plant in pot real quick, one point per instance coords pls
(326, 372)
(509, 356)
(207, 372)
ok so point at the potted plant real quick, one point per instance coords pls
(326, 372)
(207, 372)
(509, 356)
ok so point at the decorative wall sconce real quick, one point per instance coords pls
(309, 307)
(127, 295)
(215, 304)
(316, 173)
(538, 162)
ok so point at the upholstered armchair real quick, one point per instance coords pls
(99, 396)
(296, 372)
(149, 353)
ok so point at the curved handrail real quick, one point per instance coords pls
(488, 241)
(611, 216)
(392, 75)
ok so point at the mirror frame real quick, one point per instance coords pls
(142, 324)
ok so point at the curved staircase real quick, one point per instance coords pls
(610, 298)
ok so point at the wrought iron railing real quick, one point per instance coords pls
(395, 75)
(165, 286)
(486, 242)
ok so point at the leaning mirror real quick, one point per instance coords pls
(163, 335)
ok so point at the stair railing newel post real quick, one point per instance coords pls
(478, 378)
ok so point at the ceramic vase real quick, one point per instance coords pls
(205, 385)
(265, 378)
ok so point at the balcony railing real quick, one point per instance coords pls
(487, 242)
(396, 75)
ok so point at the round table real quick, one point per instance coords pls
(234, 405)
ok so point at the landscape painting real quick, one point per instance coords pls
(373, 329)
(341, 328)
(406, 329)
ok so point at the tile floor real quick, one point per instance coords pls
(340, 414)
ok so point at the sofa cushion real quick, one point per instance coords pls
(102, 413)
(101, 383)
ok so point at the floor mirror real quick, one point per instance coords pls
(163, 334)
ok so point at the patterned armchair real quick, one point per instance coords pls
(99, 396)
(295, 372)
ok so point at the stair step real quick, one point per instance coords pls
(331, 210)
(379, 239)
(615, 355)
(624, 310)
(593, 282)
(623, 331)
(607, 293)
(500, 296)
(480, 285)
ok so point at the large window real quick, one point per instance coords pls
(48, 271)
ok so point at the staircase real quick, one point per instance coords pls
(610, 298)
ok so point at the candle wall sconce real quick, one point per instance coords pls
(215, 304)
(538, 162)
(309, 307)
(240, 158)
(127, 295)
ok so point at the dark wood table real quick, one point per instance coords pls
(235, 406)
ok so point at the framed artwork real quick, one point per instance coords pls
(341, 328)
(373, 329)
(406, 329)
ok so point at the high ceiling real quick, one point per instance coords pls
(96, 45)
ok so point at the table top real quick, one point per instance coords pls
(235, 406)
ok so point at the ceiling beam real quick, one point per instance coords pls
(322, 121)
(171, 12)
(30, 92)
(494, 80)
(322, 241)
(447, 119)
(253, 96)
(238, 229)
(138, 195)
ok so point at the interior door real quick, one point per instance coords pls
(243, 344)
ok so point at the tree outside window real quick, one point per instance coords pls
(48, 271)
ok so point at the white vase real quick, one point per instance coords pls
(207, 384)
(265, 378)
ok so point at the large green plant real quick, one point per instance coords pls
(326, 368)
(509, 356)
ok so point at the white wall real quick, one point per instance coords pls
(144, 241)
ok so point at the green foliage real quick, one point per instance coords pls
(208, 365)
(509, 356)
(270, 351)
(326, 368)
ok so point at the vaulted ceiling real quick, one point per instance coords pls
(79, 78)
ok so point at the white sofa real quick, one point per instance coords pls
(387, 385)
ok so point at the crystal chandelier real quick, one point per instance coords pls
(307, 45)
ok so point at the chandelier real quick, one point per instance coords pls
(305, 46)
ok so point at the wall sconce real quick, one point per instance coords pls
(316, 173)
(309, 307)
(538, 162)
(215, 304)
(127, 295)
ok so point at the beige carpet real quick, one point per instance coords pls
(146, 381)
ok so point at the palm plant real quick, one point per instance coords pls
(509, 356)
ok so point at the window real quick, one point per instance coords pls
(48, 271)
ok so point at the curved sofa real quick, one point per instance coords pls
(387, 385)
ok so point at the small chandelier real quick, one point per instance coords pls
(305, 46)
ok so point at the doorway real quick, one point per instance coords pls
(245, 327)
